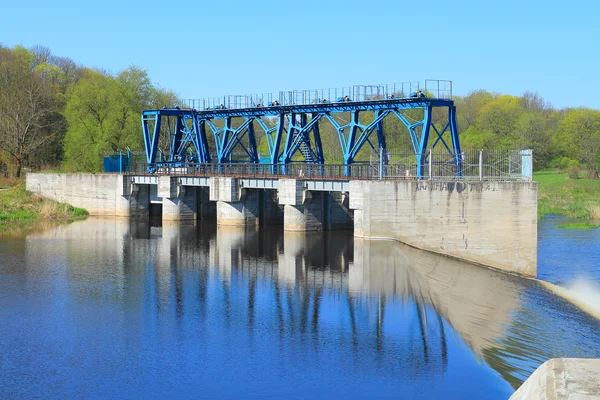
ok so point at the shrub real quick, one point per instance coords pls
(573, 172)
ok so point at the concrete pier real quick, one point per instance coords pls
(238, 206)
(313, 210)
(178, 202)
(137, 203)
(562, 378)
(234, 208)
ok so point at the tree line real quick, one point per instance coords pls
(56, 114)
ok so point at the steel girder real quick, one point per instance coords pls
(293, 128)
(185, 131)
(228, 138)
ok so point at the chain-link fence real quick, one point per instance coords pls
(468, 165)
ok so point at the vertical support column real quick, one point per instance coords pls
(360, 208)
(252, 141)
(178, 202)
(424, 142)
(276, 144)
(480, 165)
(303, 210)
(234, 208)
(318, 143)
(177, 135)
(348, 156)
(455, 140)
(139, 202)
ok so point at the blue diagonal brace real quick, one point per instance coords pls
(422, 153)
(151, 139)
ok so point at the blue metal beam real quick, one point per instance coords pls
(297, 123)
(423, 142)
(151, 139)
(401, 104)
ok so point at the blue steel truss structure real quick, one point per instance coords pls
(293, 130)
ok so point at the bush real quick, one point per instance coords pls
(562, 163)
(573, 172)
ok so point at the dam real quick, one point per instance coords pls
(491, 223)
(476, 206)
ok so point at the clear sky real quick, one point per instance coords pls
(211, 48)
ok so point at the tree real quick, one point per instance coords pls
(468, 107)
(103, 113)
(581, 129)
(26, 103)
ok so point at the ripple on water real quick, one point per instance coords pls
(113, 309)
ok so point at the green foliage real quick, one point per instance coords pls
(103, 113)
(578, 225)
(80, 115)
(16, 204)
(580, 128)
(558, 195)
(54, 112)
(574, 172)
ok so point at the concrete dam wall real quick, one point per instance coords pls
(488, 223)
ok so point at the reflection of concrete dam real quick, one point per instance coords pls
(361, 288)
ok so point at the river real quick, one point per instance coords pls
(108, 308)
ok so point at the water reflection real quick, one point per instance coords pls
(281, 314)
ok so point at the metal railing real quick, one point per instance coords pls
(266, 171)
(433, 88)
(469, 165)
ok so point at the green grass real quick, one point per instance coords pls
(17, 204)
(559, 195)
(578, 225)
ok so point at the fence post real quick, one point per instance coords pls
(380, 162)
(430, 164)
(121, 161)
(480, 165)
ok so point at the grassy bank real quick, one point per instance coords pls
(559, 195)
(16, 204)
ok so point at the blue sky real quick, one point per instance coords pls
(201, 49)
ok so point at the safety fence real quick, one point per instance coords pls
(469, 165)
(472, 165)
(433, 88)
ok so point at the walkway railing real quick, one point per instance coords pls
(433, 88)
(470, 165)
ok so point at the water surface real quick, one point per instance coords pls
(567, 254)
(117, 309)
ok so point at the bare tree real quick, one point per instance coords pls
(41, 54)
(25, 105)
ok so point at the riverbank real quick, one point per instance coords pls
(19, 205)
(559, 195)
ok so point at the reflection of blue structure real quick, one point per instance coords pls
(292, 128)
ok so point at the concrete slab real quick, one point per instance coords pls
(562, 378)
